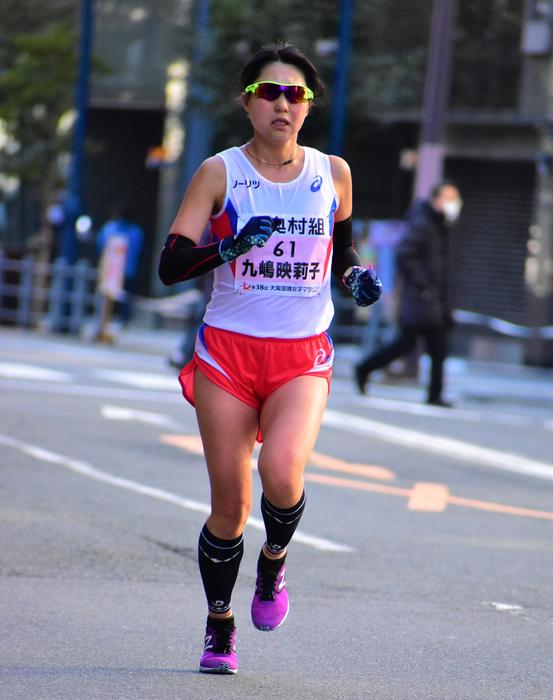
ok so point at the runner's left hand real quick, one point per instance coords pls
(363, 284)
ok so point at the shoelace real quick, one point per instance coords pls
(266, 584)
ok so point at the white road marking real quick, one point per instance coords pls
(168, 384)
(142, 380)
(131, 414)
(87, 470)
(18, 370)
(420, 440)
(86, 390)
(456, 449)
(456, 414)
(506, 607)
(413, 438)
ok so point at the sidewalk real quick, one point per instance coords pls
(467, 380)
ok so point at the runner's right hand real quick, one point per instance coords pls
(256, 232)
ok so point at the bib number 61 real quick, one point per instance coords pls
(279, 249)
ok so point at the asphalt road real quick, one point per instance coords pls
(423, 567)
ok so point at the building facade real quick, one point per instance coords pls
(498, 141)
(130, 155)
(498, 147)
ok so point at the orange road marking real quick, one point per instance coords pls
(193, 443)
(422, 497)
(190, 443)
(339, 465)
(353, 484)
(432, 498)
(452, 500)
(500, 508)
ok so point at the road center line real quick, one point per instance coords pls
(455, 449)
(85, 469)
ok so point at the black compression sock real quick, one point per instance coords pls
(219, 561)
(280, 523)
(269, 565)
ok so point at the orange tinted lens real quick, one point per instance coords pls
(294, 93)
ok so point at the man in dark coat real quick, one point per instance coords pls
(424, 305)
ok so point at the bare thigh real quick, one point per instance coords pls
(228, 428)
(290, 422)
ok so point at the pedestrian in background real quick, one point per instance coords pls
(122, 225)
(280, 215)
(424, 289)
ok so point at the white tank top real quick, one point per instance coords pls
(283, 289)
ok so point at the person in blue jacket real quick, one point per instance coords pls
(122, 223)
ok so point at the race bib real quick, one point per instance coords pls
(291, 263)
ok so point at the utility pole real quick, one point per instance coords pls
(73, 201)
(436, 96)
(198, 126)
(340, 94)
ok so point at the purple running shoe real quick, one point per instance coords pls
(270, 604)
(219, 647)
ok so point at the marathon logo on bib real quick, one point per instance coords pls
(292, 261)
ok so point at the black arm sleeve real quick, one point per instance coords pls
(344, 254)
(181, 259)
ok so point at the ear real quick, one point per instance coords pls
(245, 100)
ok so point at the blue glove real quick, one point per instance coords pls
(256, 232)
(363, 284)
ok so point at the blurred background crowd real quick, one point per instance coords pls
(104, 102)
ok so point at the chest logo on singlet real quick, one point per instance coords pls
(316, 184)
(246, 183)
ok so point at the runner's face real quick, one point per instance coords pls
(278, 121)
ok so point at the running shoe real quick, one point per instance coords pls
(270, 604)
(219, 647)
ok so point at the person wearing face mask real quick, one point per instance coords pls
(424, 303)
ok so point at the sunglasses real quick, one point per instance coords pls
(269, 90)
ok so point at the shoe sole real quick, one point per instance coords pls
(266, 628)
(222, 670)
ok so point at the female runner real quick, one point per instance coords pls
(280, 217)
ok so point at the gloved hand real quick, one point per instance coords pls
(363, 284)
(256, 232)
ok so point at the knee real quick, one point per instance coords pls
(282, 487)
(228, 520)
(283, 494)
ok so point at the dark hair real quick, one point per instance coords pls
(439, 186)
(281, 53)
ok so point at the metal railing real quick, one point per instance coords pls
(59, 296)
(55, 296)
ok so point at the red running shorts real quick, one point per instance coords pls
(252, 368)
